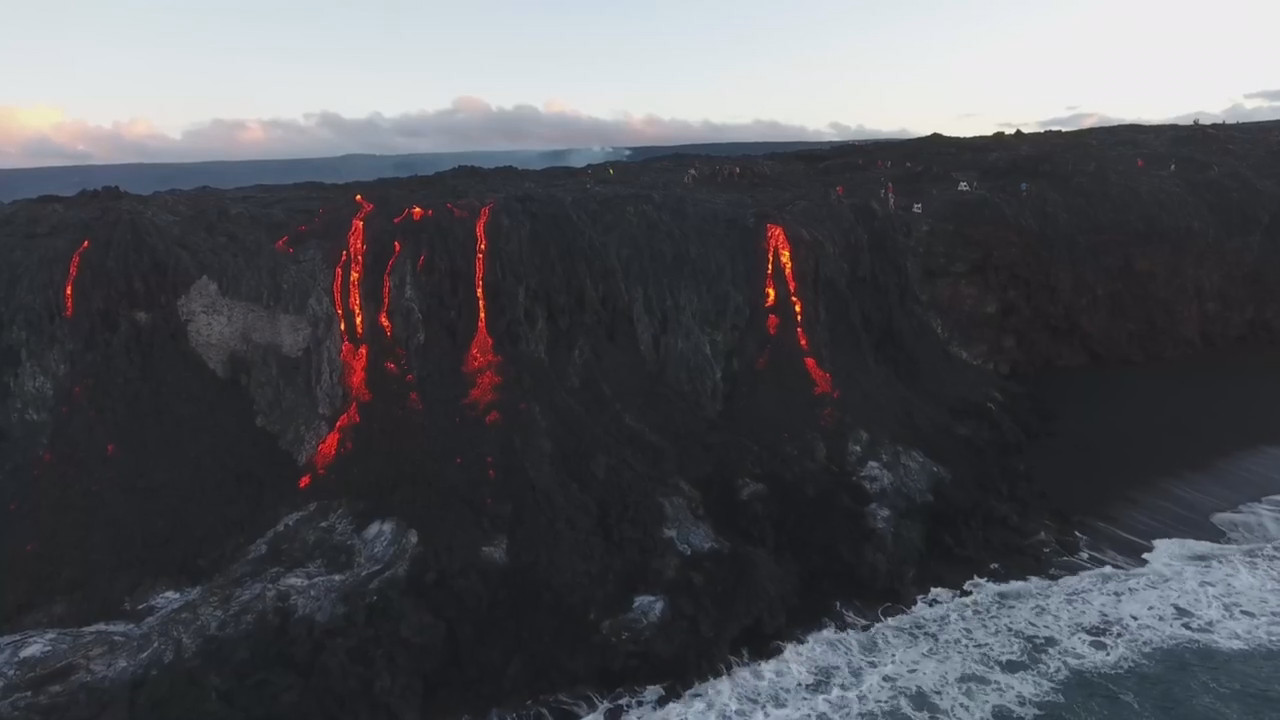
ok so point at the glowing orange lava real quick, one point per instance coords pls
(355, 365)
(327, 452)
(780, 247)
(337, 294)
(355, 359)
(395, 365)
(482, 362)
(414, 211)
(383, 318)
(67, 292)
(355, 252)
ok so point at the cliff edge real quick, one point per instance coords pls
(620, 422)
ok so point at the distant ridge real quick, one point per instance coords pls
(143, 178)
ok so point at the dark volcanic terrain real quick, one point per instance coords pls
(19, 183)
(427, 446)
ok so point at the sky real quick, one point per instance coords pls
(161, 80)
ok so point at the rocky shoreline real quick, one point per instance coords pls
(637, 421)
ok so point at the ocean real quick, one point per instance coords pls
(1191, 629)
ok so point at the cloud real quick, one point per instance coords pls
(43, 136)
(1074, 121)
(1255, 107)
(1269, 96)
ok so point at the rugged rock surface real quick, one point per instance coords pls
(632, 458)
(314, 566)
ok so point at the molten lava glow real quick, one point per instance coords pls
(821, 378)
(355, 252)
(355, 359)
(355, 364)
(337, 294)
(68, 291)
(482, 361)
(383, 317)
(780, 247)
(332, 443)
(413, 211)
(421, 259)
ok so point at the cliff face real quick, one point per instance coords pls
(635, 423)
(1103, 258)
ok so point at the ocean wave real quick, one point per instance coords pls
(1004, 649)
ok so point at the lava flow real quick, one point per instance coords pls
(780, 247)
(337, 295)
(355, 253)
(396, 364)
(282, 245)
(482, 362)
(355, 360)
(415, 212)
(383, 317)
(68, 290)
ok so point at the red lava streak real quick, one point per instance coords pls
(337, 295)
(355, 359)
(68, 291)
(780, 247)
(383, 318)
(415, 212)
(283, 243)
(327, 452)
(355, 252)
(355, 365)
(482, 362)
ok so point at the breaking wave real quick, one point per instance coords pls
(1004, 650)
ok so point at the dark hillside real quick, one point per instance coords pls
(627, 423)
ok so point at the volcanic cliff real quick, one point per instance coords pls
(438, 444)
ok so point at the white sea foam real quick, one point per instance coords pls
(1004, 649)
(1252, 523)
